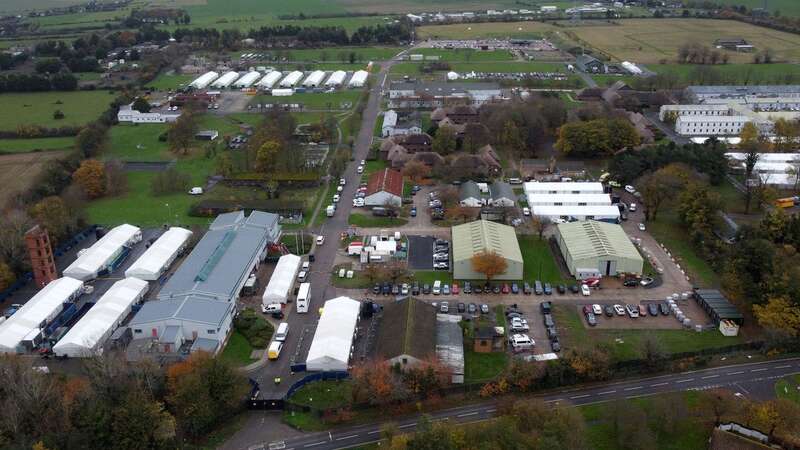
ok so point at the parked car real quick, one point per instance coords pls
(646, 281)
(546, 307)
(484, 308)
(664, 308)
(462, 307)
(376, 289)
(404, 289)
(609, 310)
(548, 290)
(562, 289)
(441, 266)
(386, 289)
(496, 289)
(591, 319)
(551, 332)
(514, 288)
(526, 211)
(633, 310)
(642, 227)
(537, 287)
(526, 288)
(548, 321)
(320, 240)
(652, 309)
(472, 308)
(413, 212)
(630, 189)
(585, 290)
(445, 289)
(426, 289)
(477, 289)
(630, 282)
(506, 289)
(597, 309)
(467, 287)
(513, 314)
(643, 310)
(521, 342)
(395, 289)
(454, 288)
(574, 288)
(555, 345)
(444, 307)
(619, 309)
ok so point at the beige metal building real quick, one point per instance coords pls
(592, 248)
(475, 237)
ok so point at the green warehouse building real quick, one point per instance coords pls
(592, 248)
(476, 237)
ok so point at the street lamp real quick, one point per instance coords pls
(169, 212)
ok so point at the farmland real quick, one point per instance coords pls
(79, 107)
(650, 41)
(34, 145)
(18, 172)
(778, 73)
(486, 30)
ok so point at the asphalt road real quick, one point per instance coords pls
(302, 326)
(740, 378)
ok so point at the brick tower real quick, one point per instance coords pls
(42, 264)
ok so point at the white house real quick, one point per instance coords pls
(385, 186)
(128, 114)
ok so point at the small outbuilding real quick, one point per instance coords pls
(597, 247)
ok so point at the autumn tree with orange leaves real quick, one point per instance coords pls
(91, 177)
(490, 264)
(374, 382)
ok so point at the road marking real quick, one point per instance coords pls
(736, 373)
(633, 388)
(552, 401)
(579, 396)
(316, 443)
(467, 414)
(758, 370)
(659, 384)
(408, 425)
(491, 410)
(374, 432)
(709, 376)
(684, 381)
(606, 392)
(784, 367)
(346, 437)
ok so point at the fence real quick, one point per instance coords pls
(319, 376)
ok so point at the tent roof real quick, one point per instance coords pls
(99, 254)
(334, 335)
(282, 279)
(160, 253)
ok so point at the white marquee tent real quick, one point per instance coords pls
(152, 264)
(86, 338)
(99, 256)
(330, 349)
(41, 309)
(280, 284)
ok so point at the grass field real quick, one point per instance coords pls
(36, 108)
(334, 100)
(324, 394)
(368, 221)
(789, 388)
(627, 344)
(237, 350)
(486, 30)
(465, 55)
(33, 145)
(129, 142)
(539, 263)
(166, 82)
(482, 366)
(778, 73)
(18, 171)
(669, 231)
(335, 54)
(785, 7)
(649, 41)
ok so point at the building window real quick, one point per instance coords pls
(405, 361)
(211, 331)
(137, 330)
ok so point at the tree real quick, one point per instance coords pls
(459, 213)
(785, 134)
(512, 137)
(444, 142)
(592, 364)
(374, 382)
(225, 164)
(181, 134)
(91, 177)
(7, 277)
(749, 136)
(141, 105)
(13, 225)
(52, 214)
(779, 315)
(540, 224)
(750, 161)
(476, 135)
(489, 263)
(416, 170)
(596, 138)
(448, 196)
(652, 353)
(58, 114)
(266, 155)
(91, 140)
(116, 178)
(373, 272)
(170, 181)
(660, 186)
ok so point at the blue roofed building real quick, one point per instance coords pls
(195, 307)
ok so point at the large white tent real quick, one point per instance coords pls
(86, 338)
(102, 254)
(225, 80)
(336, 78)
(292, 79)
(204, 80)
(330, 349)
(270, 79)
(358, 79)
(280, 284)
(314, 79)
(41, 309)
(247, 79)
(152, 264)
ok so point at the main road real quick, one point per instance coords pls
(734, 377)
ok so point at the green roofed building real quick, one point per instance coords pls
(480, 236)
(593, 248)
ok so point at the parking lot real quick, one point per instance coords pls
(420, 252)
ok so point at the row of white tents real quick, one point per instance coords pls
(272, 77)
(88, 335)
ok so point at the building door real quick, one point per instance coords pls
(607, 271)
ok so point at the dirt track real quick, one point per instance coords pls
(18, 171)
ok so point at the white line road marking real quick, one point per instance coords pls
(491, 410)
(709, 376)
(316, 443)
(579, 396)
(758, 370)
(784, 367)
(684, 381)
(606, 392)
(374, 432)
(736, 373)
(659, 384)
(633, 388)
(554, 401)
(467, 414)
(346, 437)
(408, 425)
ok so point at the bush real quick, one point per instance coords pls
(170, 181)
(255, 329)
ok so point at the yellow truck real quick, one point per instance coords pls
(787, 202)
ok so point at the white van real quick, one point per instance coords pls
(274, 350)
(282, 332)
(303, 297)
(302, 276)
(514, 181)
(437, 287)
(521, 342)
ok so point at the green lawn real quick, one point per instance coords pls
(480, 367)
(37, 144)
(237, 350)
(306, 421)
(539, 263)
(312, 100)
(789, 388)
(465, 55)
(669, 231)
(630, 341)
(429, 276)
(779, 73)
(138, 142)
(691, 432)
(367, 221)
(36, 108)
(166, 82)
(324, 394)
(323, 55)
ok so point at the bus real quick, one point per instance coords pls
(304, 297)
(787, 202)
